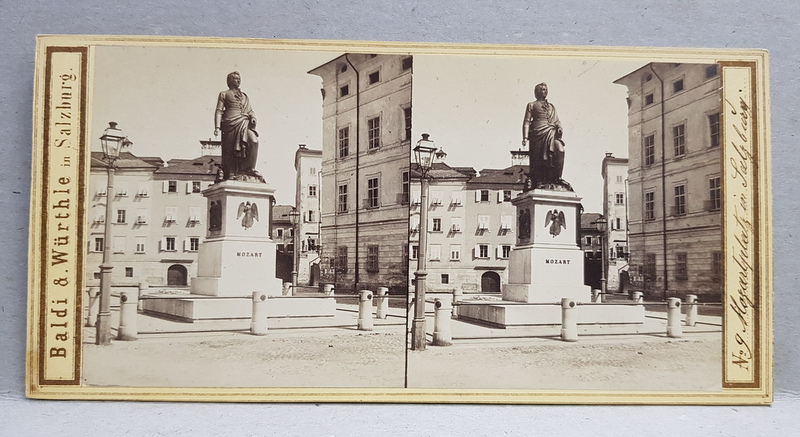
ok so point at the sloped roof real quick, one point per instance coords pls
(127, 160)
(441, 171)
(510, 175)
(280, 213)
(203, 165)
(588, 219)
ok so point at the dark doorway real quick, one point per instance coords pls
(177, 275)
(490, 282)
(592, 269)
(314, 275)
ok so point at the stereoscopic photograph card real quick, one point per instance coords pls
(325, 221)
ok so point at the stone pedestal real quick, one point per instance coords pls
(546, 264)
(237, 256)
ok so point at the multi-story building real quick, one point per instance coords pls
(307, 164)
(283, 229)
(615, 210)
(591, 244)
(366, 148)
(674, 192)
(159, 218)
(471, 226)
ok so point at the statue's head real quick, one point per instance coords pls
(234, 79)
(540, 91)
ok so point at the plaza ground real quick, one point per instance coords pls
(331, 352)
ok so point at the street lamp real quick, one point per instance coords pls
(425, 154)
(601, 224)
(112, 142)
(294, 217)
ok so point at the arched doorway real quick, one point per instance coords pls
(490, 282)
(177, 275)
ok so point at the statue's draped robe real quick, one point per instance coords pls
(546, 151)
(237, 150)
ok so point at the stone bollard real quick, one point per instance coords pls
(128, 310)
(674, 329)
(458, 295)
(383, 303)
(365, 310)
(569, 320)
(441, 323)
(94, 294)
(143, 287)
(638, 297)
(328, 290)
(258, 324)
(691, 310)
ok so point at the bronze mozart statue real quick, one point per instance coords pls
(234, 117)
(542, 130)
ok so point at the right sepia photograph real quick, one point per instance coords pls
(566, 225)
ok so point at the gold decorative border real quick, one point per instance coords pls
(757, 391)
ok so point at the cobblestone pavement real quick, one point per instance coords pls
(332, 353)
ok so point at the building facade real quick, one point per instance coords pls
(366, 132)
(159, 218)
(674, 184)
(307, 164)
(615, 210)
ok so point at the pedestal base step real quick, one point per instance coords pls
(509, 315)
(194, 308)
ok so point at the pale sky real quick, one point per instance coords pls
(163, 99)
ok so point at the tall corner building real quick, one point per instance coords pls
(674, 152)
(615, 210)
(307, 164)
(366, 144)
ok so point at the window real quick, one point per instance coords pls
(649, 148)
(98, 244)
(280, 248)
(680, 200)
(122, 190)
(172, 186)
(341, 259)
(194, 244)
(194, 214)
(506, 195)
(372, 258)
(483, 251)
(484, 195)
(344, 90)
(372, 193)
(279, 233)
(291, 232)
(310, 216)
(171, 214)
(457, 198)
(128, 272)
(713, 128)
(588, 240)
(714, 194)
(648, 99)
(143, 190)
(121, 216)
(312, 171)
(195, 186)
(140, 244)
(455, 224)
(408, 63)
(407, 118)
(681, 266)
(436, 197)
(141, 216)
(373, 133)
(505, 223)
(716, 267)
(374, 77)
(677, 86)
(455, 252)
(290, 248)
(505, 251)
(445, 278)
(679, 139)
(342, 201)
(344, 142)
(483, 222)
(169, 244)
(619, 179)
(414, 252)
(619, 223)
(650, 267)
(711, 71)
(406, 187)
(650, 205)
(312, 191)
(437, 225)
(619, 198)
(435, 252)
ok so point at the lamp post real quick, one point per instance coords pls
(294, 217)
(601, 225)
(425, 154)
(112, 142)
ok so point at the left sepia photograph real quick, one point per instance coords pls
(238, 193)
